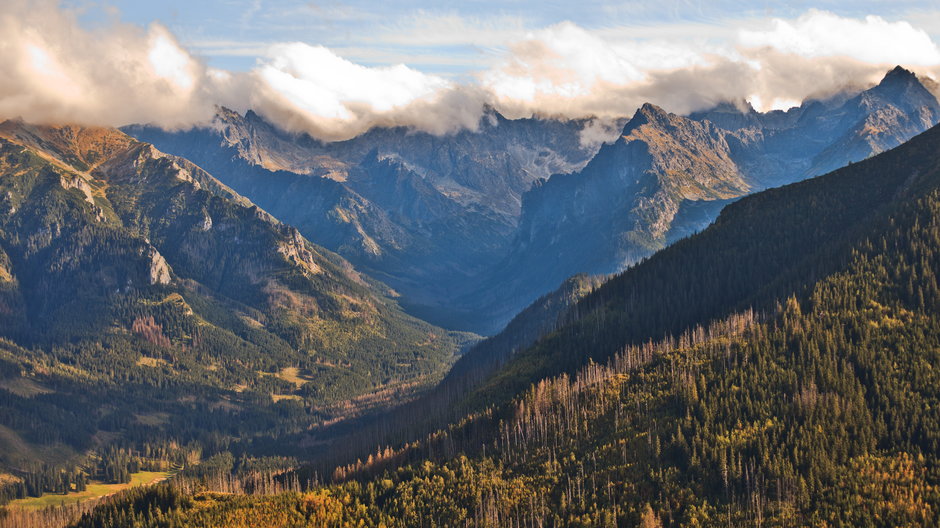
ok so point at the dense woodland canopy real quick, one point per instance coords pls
(778, 369)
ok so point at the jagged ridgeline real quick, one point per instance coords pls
(473, 227)
(778, 369)
(143, 300)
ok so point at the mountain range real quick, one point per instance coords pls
(471, 228)
(425, 214)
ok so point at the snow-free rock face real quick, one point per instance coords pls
(295, 249)
(879, 119)
(629, 201)
(819, 136)
(490, 167)
(159, 269)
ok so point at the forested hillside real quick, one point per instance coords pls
(778, 369)
(447, 401)
(760, 250)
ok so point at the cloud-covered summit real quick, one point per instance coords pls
(56, 70)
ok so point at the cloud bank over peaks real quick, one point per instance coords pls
(569, 71)
(57, 71)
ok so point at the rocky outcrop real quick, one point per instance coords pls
(74, 181)
(294, 249)
(159, 272)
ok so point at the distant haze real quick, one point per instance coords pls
(117, 73)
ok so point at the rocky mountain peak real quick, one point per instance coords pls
(899, 74)
(902, 87)
(730, 115)
(491, 117)
(741, 106)
(254, 118)
(650, 112)
(223, 113)
(645, 115)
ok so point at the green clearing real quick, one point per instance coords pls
(94, 491)
(292, 375)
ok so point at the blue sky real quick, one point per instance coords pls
(452, 38)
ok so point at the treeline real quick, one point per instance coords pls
(763, 248)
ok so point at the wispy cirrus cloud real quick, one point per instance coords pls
(228, 48)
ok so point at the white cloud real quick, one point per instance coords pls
(328, 86)
(823, 34)
(567, 70)
(54, 71)
(171, 62)
(312, 89)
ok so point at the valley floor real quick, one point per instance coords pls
(95, 490)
